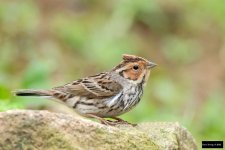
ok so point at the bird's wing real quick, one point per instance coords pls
(98, 86)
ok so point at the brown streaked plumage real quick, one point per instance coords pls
(107, 94)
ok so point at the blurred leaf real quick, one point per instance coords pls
(212, 117)
(4, 92)
(21, 16)
(7, 105)
(36, 75)
(70, 31)
(181, 51)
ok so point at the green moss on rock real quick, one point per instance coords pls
(31, 130)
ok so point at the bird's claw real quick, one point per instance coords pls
(116, 122)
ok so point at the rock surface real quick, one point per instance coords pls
(43, 130)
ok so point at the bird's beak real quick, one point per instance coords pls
(151, 65)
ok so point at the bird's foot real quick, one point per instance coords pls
(102, 120)
(116, 121)
(121, 121)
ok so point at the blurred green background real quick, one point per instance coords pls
(46, 43)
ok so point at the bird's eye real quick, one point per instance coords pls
(135, 67)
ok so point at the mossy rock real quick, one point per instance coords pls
(43, 130)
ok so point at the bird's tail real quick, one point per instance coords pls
(30, 92)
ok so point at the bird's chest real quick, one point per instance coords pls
(124, 101)
(131, 96)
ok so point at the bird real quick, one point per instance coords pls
(105, 95)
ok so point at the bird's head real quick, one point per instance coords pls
(135, 69)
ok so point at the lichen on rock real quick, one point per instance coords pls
(28, 129)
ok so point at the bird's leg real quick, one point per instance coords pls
(119, 120)
(102, 120)
(110, 122)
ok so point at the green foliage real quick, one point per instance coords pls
(45, 44)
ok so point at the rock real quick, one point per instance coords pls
(43, 130)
